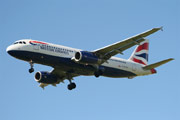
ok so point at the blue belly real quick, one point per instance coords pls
(67, 64)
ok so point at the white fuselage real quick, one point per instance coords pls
(41, 53)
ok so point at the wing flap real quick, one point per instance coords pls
(151, 66)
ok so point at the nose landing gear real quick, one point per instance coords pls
(31, 69)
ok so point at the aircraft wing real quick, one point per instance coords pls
(111, 50)
(62, 75)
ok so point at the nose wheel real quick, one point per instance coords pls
(31, 69)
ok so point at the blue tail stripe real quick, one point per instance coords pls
(143, 55)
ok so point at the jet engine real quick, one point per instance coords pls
(45, 77)
(86, 57)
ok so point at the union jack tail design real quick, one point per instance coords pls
(140, 54)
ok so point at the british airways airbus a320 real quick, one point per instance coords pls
(68, 62)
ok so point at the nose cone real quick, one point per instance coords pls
(16, 52)
(10, 50)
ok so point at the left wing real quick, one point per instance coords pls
(111, 50)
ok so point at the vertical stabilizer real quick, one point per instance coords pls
(140, 54)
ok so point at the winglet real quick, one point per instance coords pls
(161, 28)
(152, 66)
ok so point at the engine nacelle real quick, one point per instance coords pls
(45, 77)
(86, 57)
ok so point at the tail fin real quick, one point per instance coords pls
(140, 54)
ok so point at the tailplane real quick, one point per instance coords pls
(152, 66)
(140, 54)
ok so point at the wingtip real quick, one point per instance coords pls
(171, 59)
(160, 28)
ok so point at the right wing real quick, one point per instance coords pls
(62, 75)
(111, 50)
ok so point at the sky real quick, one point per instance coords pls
(89, 25)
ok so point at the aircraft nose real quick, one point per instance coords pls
(9, 50)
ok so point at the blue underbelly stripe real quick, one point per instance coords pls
(55, 61)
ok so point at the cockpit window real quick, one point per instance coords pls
(20, 42)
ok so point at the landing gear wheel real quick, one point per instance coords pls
(31, 70)
(71, 86)
(96, 74)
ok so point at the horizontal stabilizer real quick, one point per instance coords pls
(151, 66)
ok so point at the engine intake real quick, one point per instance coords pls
(86, 57)
(45, 77)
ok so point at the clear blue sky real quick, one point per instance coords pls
(90, 24)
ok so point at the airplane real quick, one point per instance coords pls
(69, 62)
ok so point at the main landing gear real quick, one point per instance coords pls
(31, 69)
(98, 73)
(71, 86)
